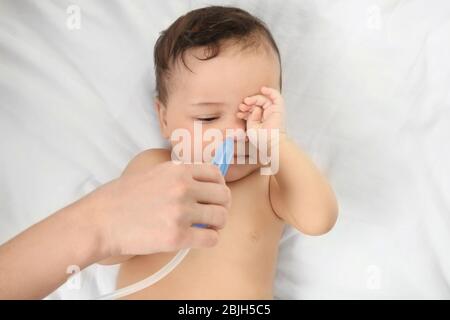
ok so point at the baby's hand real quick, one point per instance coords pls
(263, 111)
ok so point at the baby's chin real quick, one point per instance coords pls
(239, 171)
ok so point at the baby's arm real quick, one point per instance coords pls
(138, 164)
(299, 194)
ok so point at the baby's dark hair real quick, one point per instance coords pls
(207, 27)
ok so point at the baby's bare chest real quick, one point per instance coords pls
(251, 221)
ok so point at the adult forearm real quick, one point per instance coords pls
(35, 263)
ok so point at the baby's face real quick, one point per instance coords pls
(212, 92)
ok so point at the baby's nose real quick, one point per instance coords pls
(235, 128)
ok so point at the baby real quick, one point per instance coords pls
(220, 66)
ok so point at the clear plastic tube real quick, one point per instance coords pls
(154, 278)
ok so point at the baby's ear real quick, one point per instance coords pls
(161, 111)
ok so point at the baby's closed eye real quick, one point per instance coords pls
(207, 118)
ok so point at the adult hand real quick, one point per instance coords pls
(154, 211)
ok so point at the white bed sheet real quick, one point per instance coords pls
(367, 89)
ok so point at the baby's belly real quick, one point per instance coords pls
(242, 266)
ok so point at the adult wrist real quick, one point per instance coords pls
(92, 217)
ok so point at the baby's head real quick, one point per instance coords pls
(206, 63)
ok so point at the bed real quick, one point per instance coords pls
(367, 89)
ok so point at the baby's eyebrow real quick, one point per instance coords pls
(202, 104)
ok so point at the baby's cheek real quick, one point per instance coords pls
(208, 150)
(194, 145)
(195, 152)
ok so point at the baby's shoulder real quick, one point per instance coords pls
(147, 159)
